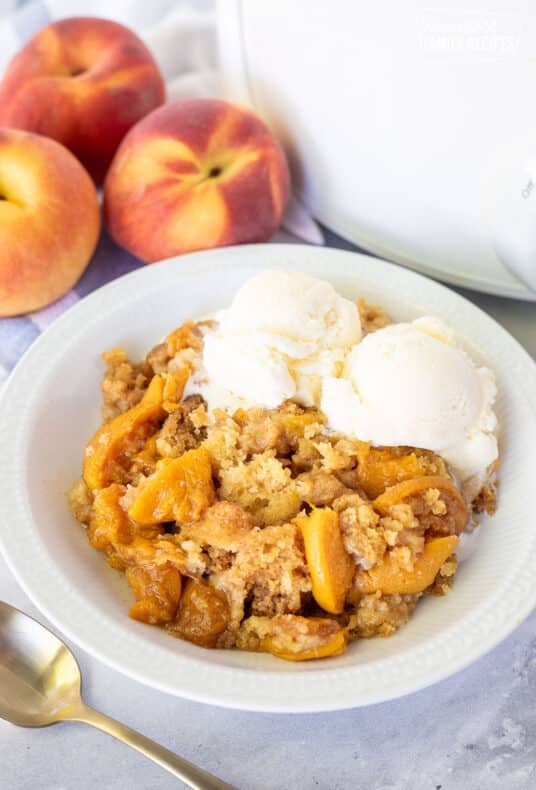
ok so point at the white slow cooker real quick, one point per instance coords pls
(410, 127)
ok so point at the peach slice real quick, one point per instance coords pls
(112, 531)
(380, 468)
(174, 384)
(390, 579)
(109, 525)
(147, 457)
(296, 638)
(158, 590)
(329, 564)
(452, 520)
(180, 490)
(295, 425)
(109, 442)
(185, 336)
(203, 614)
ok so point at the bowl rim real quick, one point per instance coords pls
(216, 684)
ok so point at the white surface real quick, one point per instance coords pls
(45, 427)
(408, 125)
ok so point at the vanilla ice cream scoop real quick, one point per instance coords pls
(287, 336)
(283, 333)
(411, 384)
(293, 306)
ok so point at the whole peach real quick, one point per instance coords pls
(84, 82)
(194, 174)
(49, 221)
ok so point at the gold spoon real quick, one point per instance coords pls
(40, 685)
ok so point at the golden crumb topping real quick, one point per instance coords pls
(260, 529)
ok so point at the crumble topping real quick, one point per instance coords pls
(256, 571)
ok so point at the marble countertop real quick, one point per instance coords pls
(473, 731)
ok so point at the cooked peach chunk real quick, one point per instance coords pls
(185, 336)
(158, 590)
(160, 550)
(296, 638)
(296, 425)
(181, 489)
(379, 468)
(147, 457)
(174, 384)
(435, 500)
(111, 531)
(329, 564)
(109, 442)
(388, 578)
(109, 525)
(203, 614)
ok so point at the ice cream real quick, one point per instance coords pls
(283, 333)
(412, 384)
(287, 336)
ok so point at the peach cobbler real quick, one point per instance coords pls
(292, 474)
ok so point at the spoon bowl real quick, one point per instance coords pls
(40, 684)
(39, 676)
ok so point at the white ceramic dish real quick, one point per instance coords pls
(389, 113)
(50, 407)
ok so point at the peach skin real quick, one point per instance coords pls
(84, 82)
(49, 221)
(195, 174)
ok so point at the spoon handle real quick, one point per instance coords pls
(190, 774)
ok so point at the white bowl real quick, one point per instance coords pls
(50, 407)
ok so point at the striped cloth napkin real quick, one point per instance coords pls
(182, 36)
